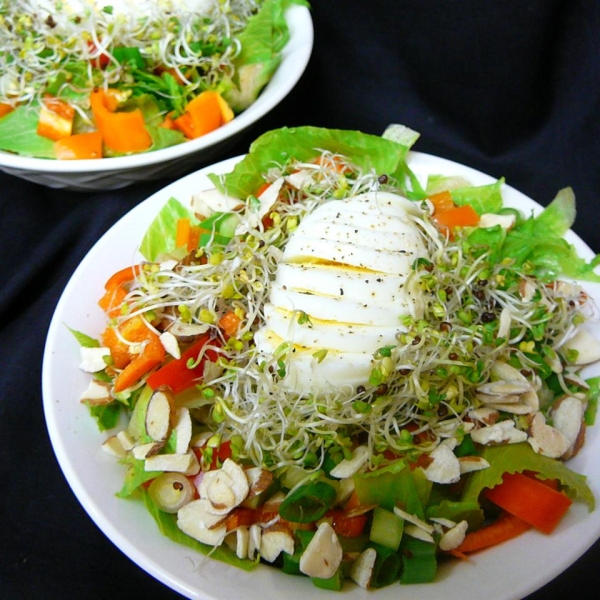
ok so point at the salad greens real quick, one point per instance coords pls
(375, 481)
(153, 63)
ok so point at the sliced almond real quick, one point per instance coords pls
(545, 439)
(349, 466)
(113, 446)
(454, 537)
(361, 570)
(585, 345)
(468, 464)
(323, 555)
(274, 542)
(197, 522)
(97, 394)
(158, 416)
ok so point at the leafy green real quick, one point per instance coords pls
(482, 198)
(306, 143)
(160, 236)
(84, 340)
(18, 133)
(167, 524)
(538, 242)
(516, 458)
(261, 41)
(107, 415)
(135, 476)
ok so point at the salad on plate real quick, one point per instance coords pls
(83, 79)
(330, 363)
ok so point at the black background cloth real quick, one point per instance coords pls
(510, 87)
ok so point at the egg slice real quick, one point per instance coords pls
(341, 290)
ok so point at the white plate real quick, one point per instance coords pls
(121, 171)
(507, 572)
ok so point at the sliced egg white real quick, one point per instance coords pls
(334, 335)
(342, 287)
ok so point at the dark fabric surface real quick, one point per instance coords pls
(510, 87)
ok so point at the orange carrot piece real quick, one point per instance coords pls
(121, 131)
(112, 300)
(205, 113)
(194, 238)
(133, 330)
(79, 146)
(122, 276)
(442, 201)
(230, 323)
(119, 351)
(5, 109)
(182, 233)
(152, 355)
(530, 500)
(56, 119)
(504, 528)
(459, 216)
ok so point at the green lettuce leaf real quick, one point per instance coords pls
(18, 134)
(516, 458)
(261, 41)
(538, 242)
(305, 143)
(167, 524)
(483, 198)
(159, 239)
(135, 476)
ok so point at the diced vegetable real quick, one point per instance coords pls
(205, 113)
(55, 119)
(308, 503)
(530, 500)
(79, 146)
(184, 372)
(122, 132)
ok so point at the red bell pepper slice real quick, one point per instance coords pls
(177, 375)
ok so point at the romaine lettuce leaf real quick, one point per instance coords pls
(305, 143)
(262, 40)
(18, 134)
(160, 236)
(483, 198)
(516, 458)
(539, 242)
(167, 524)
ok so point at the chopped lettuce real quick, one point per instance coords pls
(18, 134)
(306, 143)
(160, 236)
(538, 242)
(483, 198)
(261, 43)
(167, 524)
(516, 458)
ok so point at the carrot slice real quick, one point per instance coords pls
(5, 109)
(504, 528)
(121, 131)
(79, 146)
(56, 119)
(205, 113)
(530, 500)
(459, 216)
(122, 276)
(152, 355)
(442, 201)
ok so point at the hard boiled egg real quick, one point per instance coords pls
(341, 290)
